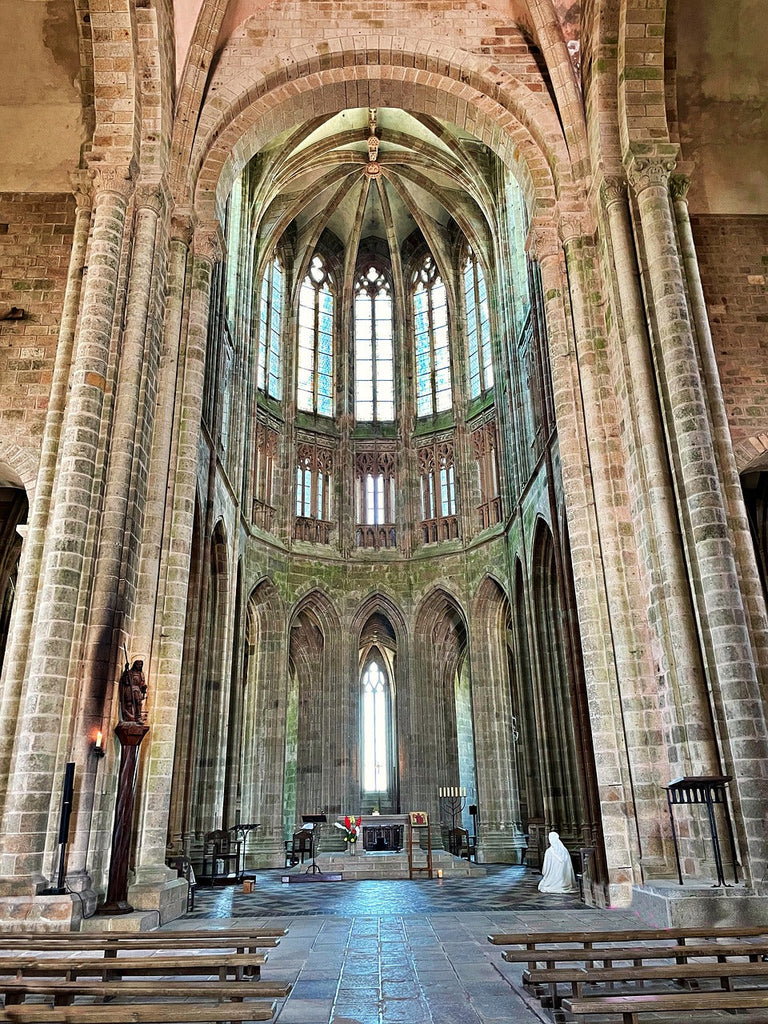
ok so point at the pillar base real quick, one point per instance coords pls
(40, 913)
(138, 921)
(501, 848)
(699, 904)
(167, 900)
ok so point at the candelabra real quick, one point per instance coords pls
(453, 800)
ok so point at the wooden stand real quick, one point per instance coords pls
(130, 735)
(419, 819)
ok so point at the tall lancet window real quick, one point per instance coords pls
(433, 357)
(269, 375)
(314, 386)
(478, 327)
(374, 356)
(376, 728)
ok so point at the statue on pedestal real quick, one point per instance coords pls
(133, 693)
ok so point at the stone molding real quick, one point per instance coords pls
(182, 225)
(209, 241)
(649, 172)
(153, 195)
(679, 184)
(112, 178)
(613, 190)
(82, 189)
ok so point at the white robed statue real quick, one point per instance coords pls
(557, 870)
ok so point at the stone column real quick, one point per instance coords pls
(688, 717)
(605, 629)
(118, 541)
(737, 517)
(16, 660)
(728, 650)
(47, 701)
(152, 875)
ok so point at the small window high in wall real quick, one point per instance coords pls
(314, 384)
(433, 355)
(374, 353)
(269, 375)
(478, 327)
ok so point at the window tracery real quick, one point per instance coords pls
(485, 450)
(314, 483)
(439, 520)
(264, 463)
(269, 376)
(314, 384)
(374, 353)
(375, 475)
(431, 341)
(376, 726)
(478, 326)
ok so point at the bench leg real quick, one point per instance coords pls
(629, 1018)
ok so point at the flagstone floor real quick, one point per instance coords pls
(399, 952)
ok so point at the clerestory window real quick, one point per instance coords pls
(433, 357)
(314, 385)
(374, 355)
(478, 327)
(269, 375)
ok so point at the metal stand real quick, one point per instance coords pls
(315, 820)
(708, 790)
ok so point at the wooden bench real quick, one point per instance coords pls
(137, 1013)
(636, 954)
(111, 948)
(238, 965)
(677, 1003)
(63, 992)
(577, 977)
(623, 936)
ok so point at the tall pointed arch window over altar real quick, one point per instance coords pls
(374, 353)
(314, 384)
(433, 356)
(376, 700)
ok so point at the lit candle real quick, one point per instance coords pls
(99, 738)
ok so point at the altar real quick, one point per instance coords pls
(383, 832)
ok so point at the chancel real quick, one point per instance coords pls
(392, 380)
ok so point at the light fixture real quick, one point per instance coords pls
(98, 745)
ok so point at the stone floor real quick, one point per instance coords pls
(399, 952)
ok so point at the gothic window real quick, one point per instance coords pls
(314, 388)
(374, 356)
(376, 726)
(438, 492)
(264, 461)
(433, 359)
(478, 327)
(269, 378)
(484, 446)
(375, 497)
(314, 481)
(234, 220)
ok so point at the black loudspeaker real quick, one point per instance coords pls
(473, 809)
(67, 796)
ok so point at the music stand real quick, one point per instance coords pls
(313, 820)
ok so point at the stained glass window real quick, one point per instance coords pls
(374, 356)
(268, 376)
(375, 686)
(433, 357)
(314, 384)
(478, 327)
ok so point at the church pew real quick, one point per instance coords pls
(588, 938)
(637, 954)
(577, 977)
(239, 965)
(63, 992)
(676, 1004)
(137, 1013)
(111, 948)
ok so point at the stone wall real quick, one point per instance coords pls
(733, 259)
(35, 241)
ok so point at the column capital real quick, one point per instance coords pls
(678, 186)
(575, 222)
(209, 241)
(153, 195)
(182, 225)
(542, 241)
(82, 189)
(115, 178)
(648, 171)
(613, 189)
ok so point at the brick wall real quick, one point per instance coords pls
(35, 241)
(733, 257)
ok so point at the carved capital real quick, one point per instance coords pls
(678, 186)
(613, 190)
(81, 189)
(648, 171)
(542, 241)
(153, 195)
(209, 241)
(182, 225)
(115, 178)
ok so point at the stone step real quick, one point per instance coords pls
(362, 865)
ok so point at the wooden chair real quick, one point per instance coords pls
(461, 843)
(301, 845)
(223, 856)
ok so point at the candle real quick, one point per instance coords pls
(99, 738)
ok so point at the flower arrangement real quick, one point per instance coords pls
(350, 827)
